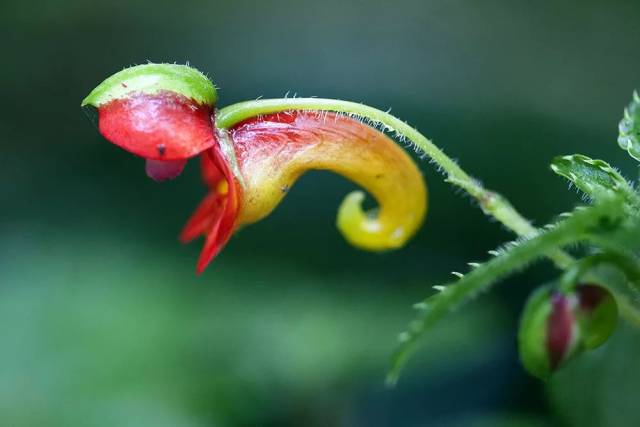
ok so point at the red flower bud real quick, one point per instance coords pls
(556, 326)
(561, 330)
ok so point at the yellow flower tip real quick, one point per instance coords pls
(365, 230)
(273, 151)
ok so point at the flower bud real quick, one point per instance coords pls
(556, 326)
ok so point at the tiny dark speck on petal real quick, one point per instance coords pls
(378, 176)
(284, 188)
(161, 149)
(124, 85)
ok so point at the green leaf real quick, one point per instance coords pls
(575, 229)
(629, 128)
(594, 177)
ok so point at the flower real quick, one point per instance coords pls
(165, 114)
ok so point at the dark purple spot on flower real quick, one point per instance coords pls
(162, 170)
(161, 149)
(590, 296)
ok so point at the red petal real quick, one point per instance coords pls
(218, 236)
(162, 126)
(210, 249)
(202, 219)
(560, 330)
(220, 233)
(211, 173)
(216, 216)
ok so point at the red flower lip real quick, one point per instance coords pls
(161, 126)
(160, 112)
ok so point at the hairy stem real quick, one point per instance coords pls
(576, 229)
(545, 244)
(490, 202)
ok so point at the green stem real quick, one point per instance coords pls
(624, 262)
(490, 202)
(575, 229)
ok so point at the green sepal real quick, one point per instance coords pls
(151, 79)
(506, 261)
(594, 177)
(597, 325)
(629, 128)
(532, 333)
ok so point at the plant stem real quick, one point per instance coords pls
(491, 203)
(574, 229)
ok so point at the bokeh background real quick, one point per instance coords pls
(102, 319)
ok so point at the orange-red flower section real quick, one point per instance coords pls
(216, 216)
(272, 151)
(161, 126)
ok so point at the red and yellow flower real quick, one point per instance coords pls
(166, 114)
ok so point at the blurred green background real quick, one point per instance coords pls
(102, 320)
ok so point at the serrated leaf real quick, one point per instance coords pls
(570, 231)
(629, 128)
(594, 177)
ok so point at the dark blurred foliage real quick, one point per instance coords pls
(102, 321)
